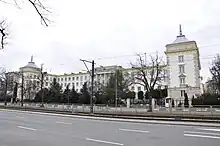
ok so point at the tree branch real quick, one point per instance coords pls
(40, 9)
(3, 33)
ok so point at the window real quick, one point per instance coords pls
(81, 83)
(139, 88)
(61, 79)
(181, 69)
(181, 58)
(61, 84)
(47, 78)
(35, 76)
(77, 84)
(73, 84)
(77, 78)
(65, 79)
(58, 79)
(81, 78)
(182, 80)
(73, 78)
(182, 92)
(85, 77)
(168, 61)
(132, 88)
(69, 78)
(46, 83)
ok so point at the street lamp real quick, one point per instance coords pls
(42, 84)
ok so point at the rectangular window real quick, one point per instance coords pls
(181, 58)
(77, 84)
(182, 93)
(46, 83)
(35, 76)
(81, 78)
(139, 88)
(65, 79)
(85, 77)
(73, 84)
(181, 69)
(69, 78)
(73, 78)
(61, 79)
(58, 79)
(182, 80)
(61, 85)
(77, 78)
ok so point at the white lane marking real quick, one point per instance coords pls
(205, 133)
(63, 123)
(102, 141)
(216, 130)
(27, 128)
(202, 136)
(133, 130)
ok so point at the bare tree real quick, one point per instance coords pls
(38, 6)
(215, 71)
(148, 73)
(4, 82)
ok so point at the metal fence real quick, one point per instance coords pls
(136, 109)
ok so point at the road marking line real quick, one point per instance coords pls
(216, 130)
(32, 129)
(202, 136)
(63, 123)
(205, 133)
(102, 141)
(132, 130)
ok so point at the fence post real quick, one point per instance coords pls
(211, 109)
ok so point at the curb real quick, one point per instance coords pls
(119, 119)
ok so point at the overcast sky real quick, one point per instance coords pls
(109, 31)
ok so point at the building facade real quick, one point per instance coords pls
(184, 67)
(182, 72)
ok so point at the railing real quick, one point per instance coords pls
(136, 109)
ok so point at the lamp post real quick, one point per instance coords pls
(42, 84)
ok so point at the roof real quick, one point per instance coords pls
(180, 39)
(31, 65)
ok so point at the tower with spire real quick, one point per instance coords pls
(183, 68)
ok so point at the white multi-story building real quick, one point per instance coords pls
(183, 65)
(182, 72)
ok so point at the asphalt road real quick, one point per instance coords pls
(23, 129)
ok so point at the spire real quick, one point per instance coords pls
(180, 30)
(31, 58)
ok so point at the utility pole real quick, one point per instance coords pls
(42, 84)
(92, 88)
(116, 87)
(92, 81)
(6, 88)
(22, 87)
